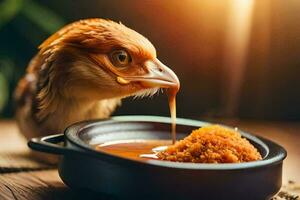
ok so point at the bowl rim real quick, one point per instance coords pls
(72, 132)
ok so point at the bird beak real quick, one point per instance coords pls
(158, 75)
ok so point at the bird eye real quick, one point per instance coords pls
(120, 58)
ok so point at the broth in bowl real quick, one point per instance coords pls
(209, 144)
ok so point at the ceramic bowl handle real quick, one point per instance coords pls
(49, 144)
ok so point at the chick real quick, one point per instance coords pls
(82, 72)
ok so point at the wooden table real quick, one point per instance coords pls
(23, 179)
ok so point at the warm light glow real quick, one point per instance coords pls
(236, 45)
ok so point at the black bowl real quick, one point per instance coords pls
(81, 167)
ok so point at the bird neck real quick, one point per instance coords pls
(61, 112)
(54, 107)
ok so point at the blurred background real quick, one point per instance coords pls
(234, 58)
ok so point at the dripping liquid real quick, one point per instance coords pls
(143, 150)
(172, 106)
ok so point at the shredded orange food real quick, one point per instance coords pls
(212, 144)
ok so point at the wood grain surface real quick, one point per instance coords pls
(39, 185)
(14, 153)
